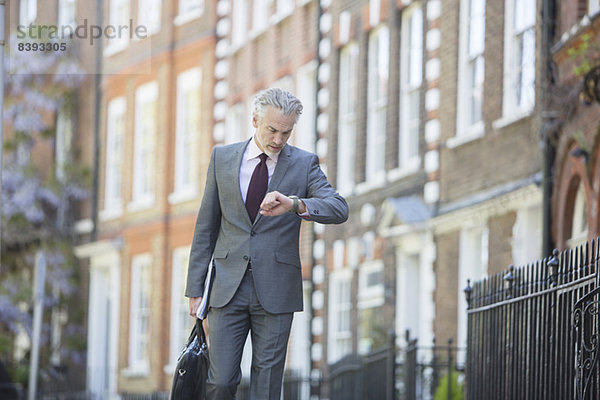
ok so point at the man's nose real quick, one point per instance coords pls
(278, 139)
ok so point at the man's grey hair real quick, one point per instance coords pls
(277, 98)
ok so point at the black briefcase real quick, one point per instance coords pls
(189, 382)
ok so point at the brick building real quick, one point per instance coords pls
(573, 131)
(436, 107)
(378, 271)
(155, 120)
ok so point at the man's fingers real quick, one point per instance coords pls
(194, 304)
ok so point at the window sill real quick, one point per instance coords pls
(475, 132)
(376, 182)
(396, 174)
(141, 204)
(189, 16)
(115, 48)
(110, 214)
(511, 119)
(138, 371)
(183, 195)
(280, 16)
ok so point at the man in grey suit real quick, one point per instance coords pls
(258, 283)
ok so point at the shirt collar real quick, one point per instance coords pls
(254, 151)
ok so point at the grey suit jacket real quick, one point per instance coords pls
(223, 229)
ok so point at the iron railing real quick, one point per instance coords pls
(533, 330)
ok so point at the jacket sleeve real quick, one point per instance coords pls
(323, 203)
(206, 230)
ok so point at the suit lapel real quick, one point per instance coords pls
(280, 169)
(235, 177)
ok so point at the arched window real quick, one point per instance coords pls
(579, 224)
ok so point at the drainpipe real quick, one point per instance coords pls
(97, 100)
(548, 13)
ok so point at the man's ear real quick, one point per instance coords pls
(254, 121)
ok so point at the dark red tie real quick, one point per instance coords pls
(257, 187)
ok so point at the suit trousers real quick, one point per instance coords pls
(228, 330)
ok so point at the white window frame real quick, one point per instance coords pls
(283, 8)
(67, 10)
(526, 235)
(370, 296)
(516, 77)
(579, 224)
(260, 16)
(347, 117)
(340, 312)
(181, 322)
(239, 23)
(411, 79)
(119, 14)
(149, 15)
(469, 123)
(113, 169)
(235, 123)
(306, 88)
(64, 137)
(593, 7)
(377, 101)
(473, 262)
(139, 335)
(189, 10)
(145, 137)
(27, 12)
(187, 136)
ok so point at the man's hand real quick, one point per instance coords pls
(276, 203)
(194, 304)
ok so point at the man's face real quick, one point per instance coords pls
(273, 130)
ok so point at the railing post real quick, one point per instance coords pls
(393, 364)
(449, 393)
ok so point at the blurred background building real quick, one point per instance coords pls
(463, 133)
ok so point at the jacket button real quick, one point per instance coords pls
(252, 233)
(245, 258)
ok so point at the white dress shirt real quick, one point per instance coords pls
(249, 162)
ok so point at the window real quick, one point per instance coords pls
(191, 7)
(306, 87)
(519, 80)
(139, 328)
(411, 78)
(348, 92)
(66, 12)
(409, 294)
(284, 7)
(64, 137)
(119, 15)
(115, 134)
(471, 70)
(187, 133)
(149, 12)
(27, 11)
(593, 6)
(235, 123)
(180, 319)
(260, 15)
(579, 226)
(371, 291)
(239, 26)
(144, 162)
(340, 312)
(473, 265)
(378, 67)
(527, 234)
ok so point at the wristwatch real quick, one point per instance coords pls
(296, 205)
